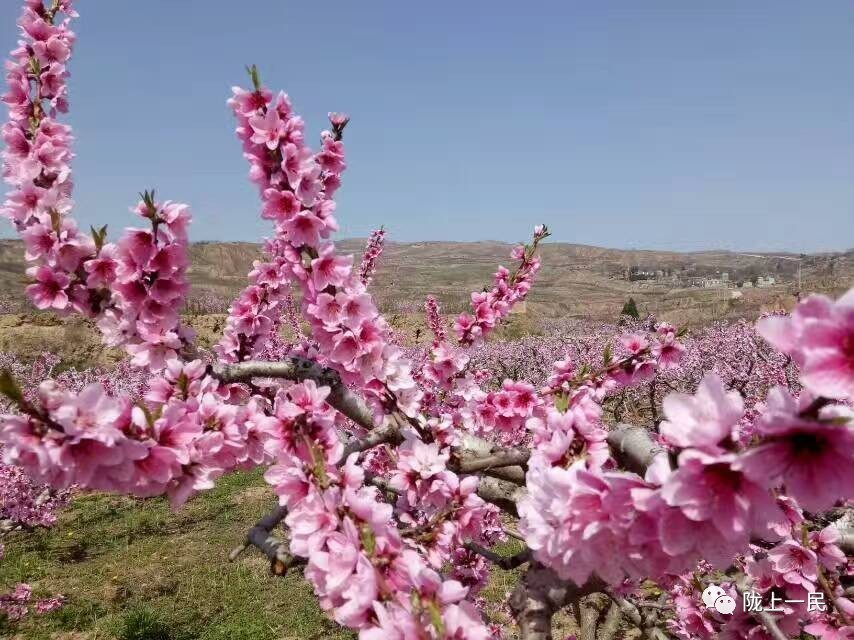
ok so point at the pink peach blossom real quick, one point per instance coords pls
(704, 419)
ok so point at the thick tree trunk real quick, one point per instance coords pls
(539, 595)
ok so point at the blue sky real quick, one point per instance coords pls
(661, 124)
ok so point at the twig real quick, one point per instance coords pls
(380, 483)
(504, 562)
(763, 616)
(653, 408)
(652, 605)
(390, 433)
(825, 586)
(770, 625)
(588, 618)
(348, 403)
(425, 529)
(513, 533)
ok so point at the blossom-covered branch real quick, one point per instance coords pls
(373, 251)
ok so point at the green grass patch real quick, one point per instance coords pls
(136, 570)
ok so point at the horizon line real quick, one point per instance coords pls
(757, 252)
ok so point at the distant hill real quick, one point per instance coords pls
(576, 280)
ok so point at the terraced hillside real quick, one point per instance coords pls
(576, 280)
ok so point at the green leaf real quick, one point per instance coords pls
(10, 388)
(436, 618)
(254, 76)
(368, 539)
(148, 200)
(562, 402)
(606, 357)
(99, 236)
(184, 384)
(682, 332)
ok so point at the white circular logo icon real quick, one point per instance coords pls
(712, 593)
(725, 605)
(717, 598)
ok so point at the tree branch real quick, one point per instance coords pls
(633, 447)
(650, 631)
(276, 550)
(539, 594)
(389, 433)
(588, 618)
(516, 475)
(473, 449)
(502, 458)
(770, 625)
(502, 494)
(825, 586)
(845, 526)
(299, 369)
(503, 562)
(505, 464)
(765, 618)
(611, 625)
(349, 404)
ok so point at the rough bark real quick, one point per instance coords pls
(261, 537)
(845, 525)
(611, 625)
(588, 616)
(633, 447)
(648, 630)
(539, 595)
(505, 495)
(299, 369)
(388, 433)
(499, 459)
